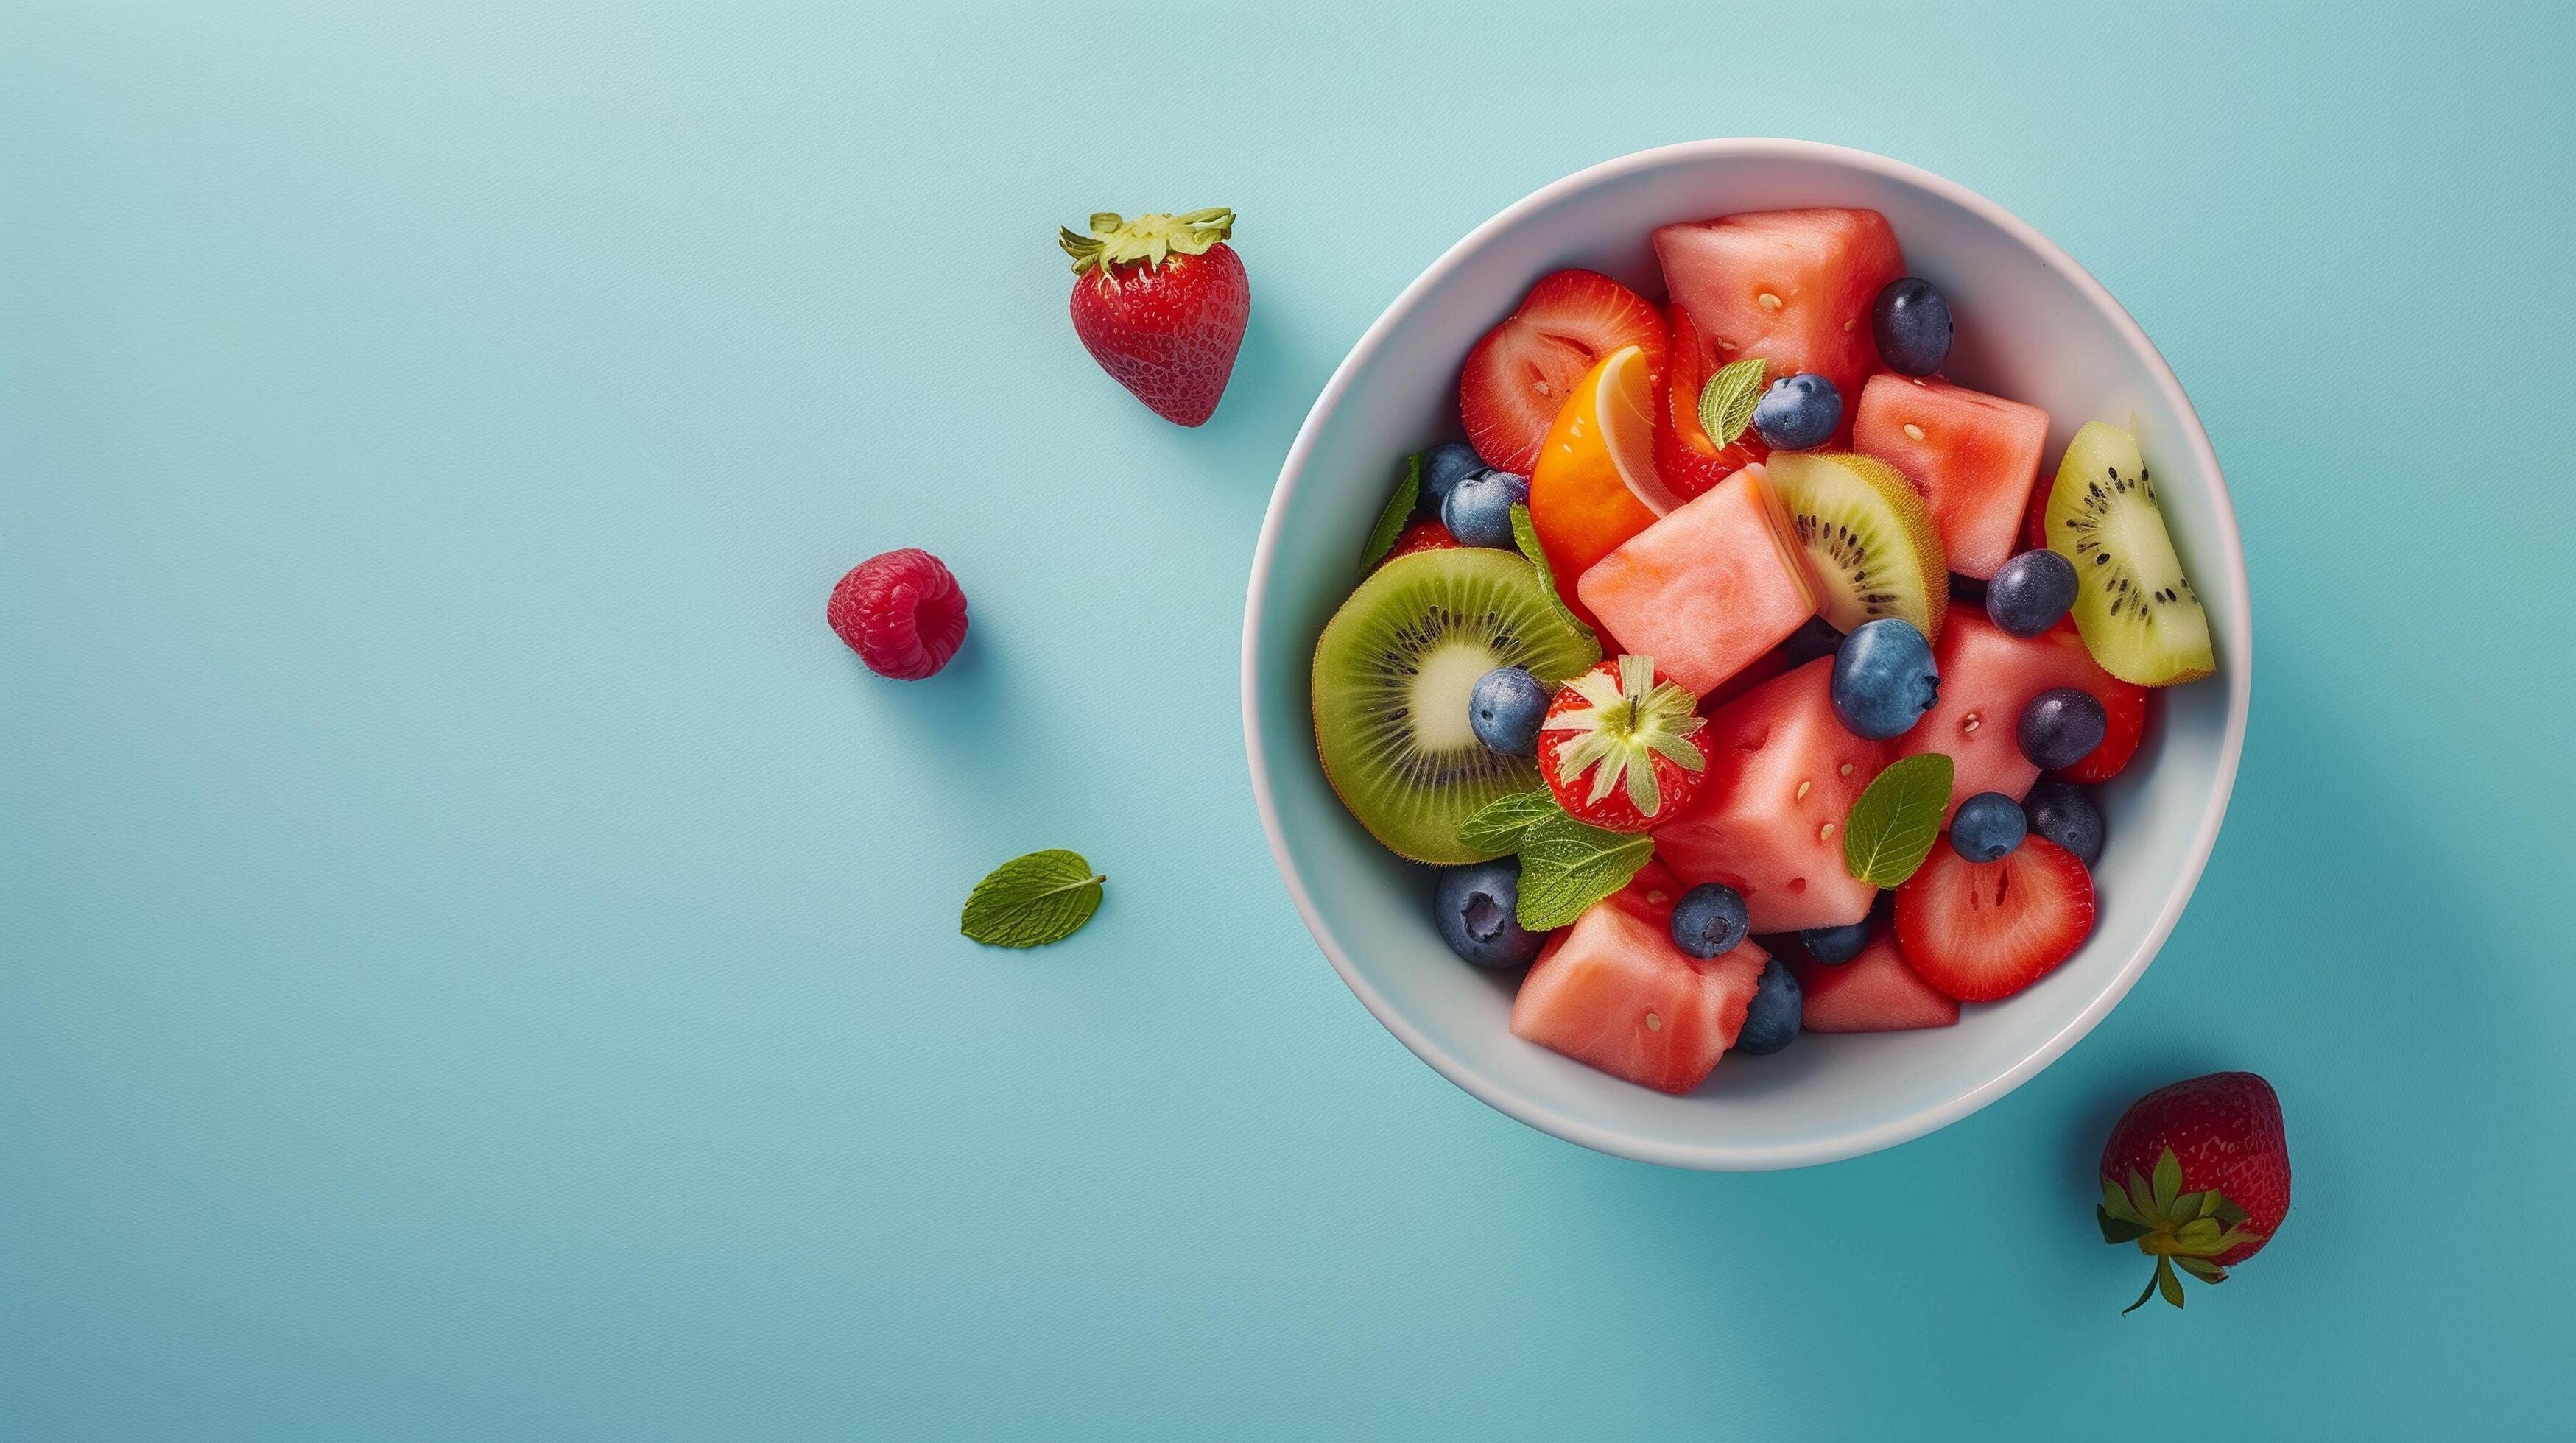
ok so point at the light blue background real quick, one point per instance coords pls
(478, 959)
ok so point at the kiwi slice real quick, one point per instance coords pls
(1869, 538)
(1393, 670)
(2134, 608)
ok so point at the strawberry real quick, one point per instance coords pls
(1687, 460)
(1616, 749)
(1424, 535)
(2126, 708)
(2198, 1176)
(1160, 302)
(1981, 931)
(1518, 376)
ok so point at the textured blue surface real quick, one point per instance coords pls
(478, 959)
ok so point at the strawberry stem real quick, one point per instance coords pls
(1116, 240)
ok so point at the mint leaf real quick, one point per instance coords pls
(1033, 900)
(1525, 534)
(1726, 402)
(1567, 865)
(1399, 509)
(1498, 826)
(1897, 818)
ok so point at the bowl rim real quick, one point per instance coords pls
(1933, 1114)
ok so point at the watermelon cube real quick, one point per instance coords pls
(1612, 991)
(1782, 774)
(1708, 588)
(1874, 992)
(1987, 676)
(1793, 287)
(1973, 456)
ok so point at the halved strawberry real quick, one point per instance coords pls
(1687, 460)
(1424, 535)
(1616, 747)
(1873, 992)
(2126, 706)
(1521, 372)
(1981, 931)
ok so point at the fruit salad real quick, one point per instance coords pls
(1741, 674)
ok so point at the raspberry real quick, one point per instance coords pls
(901, 612)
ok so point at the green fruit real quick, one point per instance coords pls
(2135, 609)
(1393, 671)
(1869, 538)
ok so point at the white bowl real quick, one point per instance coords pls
(2033, 326)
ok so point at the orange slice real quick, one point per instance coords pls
(1595, 483)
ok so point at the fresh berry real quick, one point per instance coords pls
(2060, 727)
(1445, 466)
(1518, 376)
(1987, 827)
(1814, 639)
(1477, 908)
(1771, 1023)
(2198, 1176)
(1506, 708)
(1710, 919)
(1616, 747)
(1911, 322)
(901, 612)
(1160, 301)
(2124, 725)
(1478, 510)
(2066, 816)
(2034, 521)
(1798, 412)
(1834, 946)
(1884, 679)
(1980, 931)
(2030, 592)
(1421, 536)
(1687, 458)
(1875, 992)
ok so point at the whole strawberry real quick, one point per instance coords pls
(2198, 1176)
(1160, 302)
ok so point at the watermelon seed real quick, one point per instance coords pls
(1825, 831)
(1654, 1023)
(1656, 897)
(1969, 723)
(1846, 771)
(1802, 791)
(1913, 432)
(1768, 301)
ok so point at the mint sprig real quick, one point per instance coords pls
(1498, 826)
(1726, 402)
(1567, 865)
(1399, 509)
(1033, 900)
(1897, 818)
(1525, 535)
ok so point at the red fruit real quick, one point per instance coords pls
(1987, 677)
(2034, 522)
(1982, 931)
(1793, 287)
(1616, 748)
(1689, 462)
(1161, 302)
(1651, 893)
(901, 612)
(1873, 992)
(1614, 992)
(1772, 663)
(1425, 535)
(1518, 376)
(2198, 1176)
(2126, 706)
(1973, 456)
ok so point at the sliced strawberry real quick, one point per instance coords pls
(1981, 931)
(2126, 706)
(1616, 748)
(1685, 458)
(1518, 376)
(1873, 992)
(2034, 522)
(1424, 535)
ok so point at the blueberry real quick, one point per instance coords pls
(1710, 920)
(1771, 1023)
(1477, 908)
(1884, 680)
(1814, 639)
(2031, 592)
(1505, 710)
(1478, 510)
(2064, 815)
(1834, 946)
(1987, 827)
(2060, 726)
(1798, 412)
(1448, 463)
(1911, 320)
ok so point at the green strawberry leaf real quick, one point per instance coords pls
(2167, 1283)
(2202, 1268)
(2168, 1182)
(2141, 1197)
(1498, 826)
(1033, 900)
(1567, 865)
(1525, 534)
(2117, 1230)
(2187, 1206)
(2116, 1203)
(1896, 819)
(1399, 510)
(2227, 1212)
(1726, 402)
